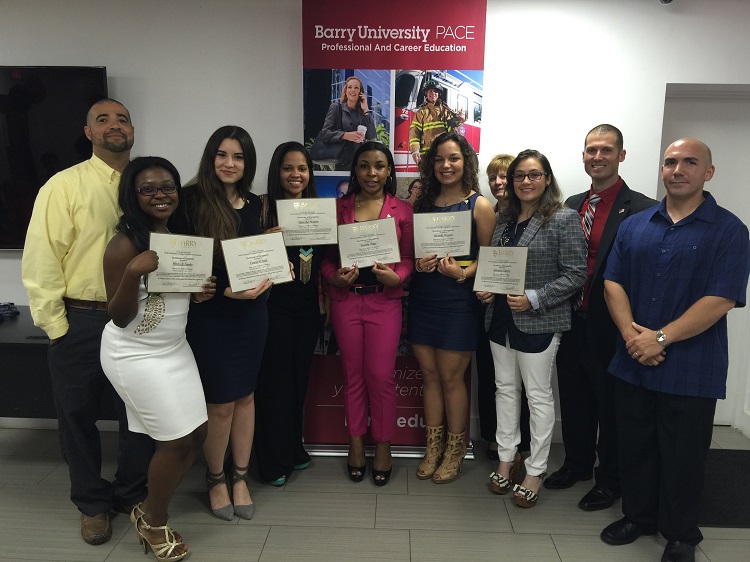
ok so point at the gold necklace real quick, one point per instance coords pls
(445, 200)
(368, 201)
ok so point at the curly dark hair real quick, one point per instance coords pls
(431, 186)
(550, 201)
(134, 223)
(275, 190)
(354, 187)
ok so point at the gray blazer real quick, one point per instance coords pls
(556, 270)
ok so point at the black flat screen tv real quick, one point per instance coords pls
(42, 114)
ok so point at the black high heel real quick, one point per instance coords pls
(356, 473)
(381, 477)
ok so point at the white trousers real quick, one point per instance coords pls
(535, 371)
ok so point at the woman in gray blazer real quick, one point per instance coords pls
(525, 330)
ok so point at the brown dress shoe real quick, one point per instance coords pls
(96, 529)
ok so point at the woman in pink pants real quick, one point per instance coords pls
(366, 310)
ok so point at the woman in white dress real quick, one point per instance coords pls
(144, 352)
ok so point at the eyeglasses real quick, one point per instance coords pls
(150, 190)
(533, 176)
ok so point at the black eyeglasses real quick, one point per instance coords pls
(150, 190)
(533, 176)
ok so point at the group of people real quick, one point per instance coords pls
(641, 345)
(228, 371)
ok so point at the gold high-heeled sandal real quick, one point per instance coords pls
(138, 512)
(455, 450)
(164, 551)
(433, 453)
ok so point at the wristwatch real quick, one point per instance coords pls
(661, 338)
(463, 276)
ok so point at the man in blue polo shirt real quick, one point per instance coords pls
(673, 274)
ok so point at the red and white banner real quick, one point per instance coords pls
(394, 48)
(394, 34)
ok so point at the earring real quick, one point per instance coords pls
(389, 181)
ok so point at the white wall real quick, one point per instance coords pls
(553, 70)
(183, 68)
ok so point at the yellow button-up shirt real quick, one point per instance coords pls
(74, 218)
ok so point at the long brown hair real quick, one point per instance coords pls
(211, 213)
(550, 201)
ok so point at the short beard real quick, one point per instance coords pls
(116, 146)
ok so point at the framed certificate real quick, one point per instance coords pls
(184, 263)
(253, 258)
(364, 243)
(501, 270)
(307, 222)
(442, 234)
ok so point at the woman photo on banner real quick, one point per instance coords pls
(348, 123)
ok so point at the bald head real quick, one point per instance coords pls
(95, 110)
(693, 145)
(686, 168)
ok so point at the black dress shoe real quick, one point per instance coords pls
(564, 478)
(677, 551)
(600, 497)
(623, 532)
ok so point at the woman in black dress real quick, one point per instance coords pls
(294, 323)
(227, 333)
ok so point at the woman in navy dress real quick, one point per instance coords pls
(443, 325)
(227, 333)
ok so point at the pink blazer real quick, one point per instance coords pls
(392, 207)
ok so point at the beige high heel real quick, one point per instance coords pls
(163, 551)
(453, 459)
(433, 452)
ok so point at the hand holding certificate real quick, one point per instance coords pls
(501, 270)
(307, 222)
(252, 259)
(364, 243)
(442, 234)
(184, 263)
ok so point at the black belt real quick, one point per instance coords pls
(366, 289)
(86, 305)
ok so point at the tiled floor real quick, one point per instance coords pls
(321, 515)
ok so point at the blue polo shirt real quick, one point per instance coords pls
(665, 268)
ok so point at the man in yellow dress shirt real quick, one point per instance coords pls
(74, 219)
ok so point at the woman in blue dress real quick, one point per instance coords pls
(443, 325)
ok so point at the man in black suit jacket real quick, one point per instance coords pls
(586, 399)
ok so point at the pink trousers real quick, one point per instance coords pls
(367, 329)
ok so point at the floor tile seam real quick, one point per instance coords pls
(554, 544)
(265, 542)
(343, 492)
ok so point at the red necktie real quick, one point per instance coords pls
(586, 223)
